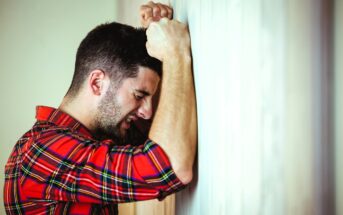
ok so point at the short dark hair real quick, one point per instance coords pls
(114, 48)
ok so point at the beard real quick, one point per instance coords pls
(108, 118)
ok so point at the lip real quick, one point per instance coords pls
(133, 118)
(126, 125)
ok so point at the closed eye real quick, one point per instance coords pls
(140, 94)
(139, 97)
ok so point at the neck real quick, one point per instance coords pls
(80, 109)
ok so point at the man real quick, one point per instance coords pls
(75, 159)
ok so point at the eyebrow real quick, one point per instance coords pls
(143, 92)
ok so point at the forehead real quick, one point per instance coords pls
(145, 74)
(146, 80)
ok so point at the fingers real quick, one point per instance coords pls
(156, 10)
(169, 12)
(153, 12)
(159, 10)
(146, 12)
(163, 11)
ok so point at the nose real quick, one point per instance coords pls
(145, 110)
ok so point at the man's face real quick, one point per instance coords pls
(120, 107)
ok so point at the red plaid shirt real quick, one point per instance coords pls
(58, 168)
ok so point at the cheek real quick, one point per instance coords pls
(123, 98)
(127, 104)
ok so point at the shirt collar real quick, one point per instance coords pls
(59, 118)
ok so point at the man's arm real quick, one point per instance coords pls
(174, 126)
(60, 165)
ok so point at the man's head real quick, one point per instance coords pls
(115, 77)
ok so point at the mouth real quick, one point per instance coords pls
(128, 121)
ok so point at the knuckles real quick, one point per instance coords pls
(155, 10)
(164, 35)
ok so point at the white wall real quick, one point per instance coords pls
(261, 78)
(38, 42)
(238, 55)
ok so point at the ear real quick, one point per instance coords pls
(97, 82)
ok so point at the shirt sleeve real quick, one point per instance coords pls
(61, 166)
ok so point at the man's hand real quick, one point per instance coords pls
(168, 39)
(153, 12)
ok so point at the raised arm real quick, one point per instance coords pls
(174, 126)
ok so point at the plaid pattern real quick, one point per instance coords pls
(58, 168)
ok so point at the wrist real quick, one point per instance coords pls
(177, 56)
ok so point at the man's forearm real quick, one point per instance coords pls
(174, 127)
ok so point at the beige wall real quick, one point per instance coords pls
(38, 42)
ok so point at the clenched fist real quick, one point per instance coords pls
(167, 39)
(153, 12)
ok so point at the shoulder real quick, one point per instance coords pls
(59, 141)
(52, 133)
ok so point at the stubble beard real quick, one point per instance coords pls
(108, 118)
